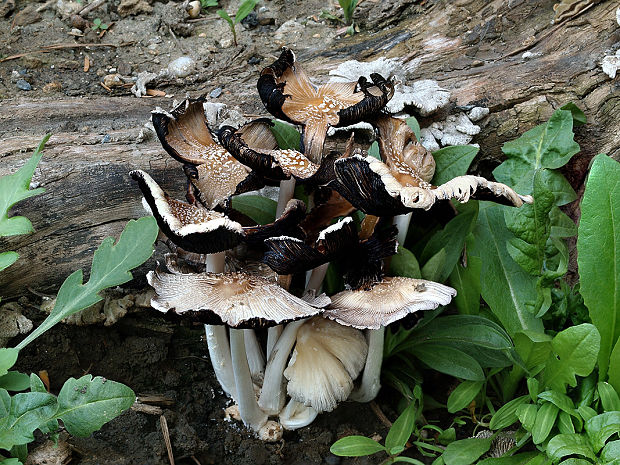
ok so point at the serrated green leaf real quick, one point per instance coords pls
(245, 9)
(405, 264)
(562, 445)
(452, 161)
(574, 353)
(15, 188)
(505, 286)
(579, 117)
(256, 207)
(533, 347)
(526, 413)
(355, 446)
(507, 414)
(8, 357)
(614, 367)
(598, 246)
(449, 360)
(545, 419)
(286, 135)
(466, 451)
(15, 381)
(548, 145)
(601, 427)
(466, 281)
(7, 259)
(86, 404)
(21, 414)
(401, 429)
(111, 267)
(36, 385)
(609, 397)
(463, 395)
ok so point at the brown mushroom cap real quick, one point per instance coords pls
(288, 94)
(387, 301)
(238, 300)
(185, 135)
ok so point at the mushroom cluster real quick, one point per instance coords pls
(314, 345)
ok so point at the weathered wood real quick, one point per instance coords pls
(472, 47)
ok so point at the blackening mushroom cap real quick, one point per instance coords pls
(370, 185)
(409, 161)
(287, 224)
(326, 359)
(288, 94)
(387, 301)
(238, 300)
(191, 227)
(185, 135)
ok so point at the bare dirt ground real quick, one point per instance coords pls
(58, 75)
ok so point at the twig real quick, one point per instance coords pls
(195, 460)
(166, 433)
(45, 6)
(176, 40)
(380, 415)
(50, 48)
(91, 6)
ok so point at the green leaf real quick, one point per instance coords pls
(466, 451)
(545, 419)
(449, 360)
(574, 353)
(463, 395)
(563, 192)
(15, 381)
(286, 135)
(15, 188)
(401, 430)
(602, 427)
(223, 14)
(373, 150)
(21, 414)
(507, 414)
(355, 446)
(86, 404)
(609, 397)
(111, 267)
(579, 117)
(8, 357)
(561, 225)
(549, 145)
(7, 259)
(565, 423)
(562, 445)
(598, 246)
(526, 413)
(452, 161)
(505, 286)
(614, 367)
(414, 126)
(611, 451)
(561, 401)
(533, 347)
(433, 268)
(405, 264)
(519, 459)
(533, 388)
(407, 460)
(36, 385)
(447, 436)
(258, 208)
(10, 462)
(586, 412)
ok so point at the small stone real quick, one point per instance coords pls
(53, 86)
(332, 460)
(124, 69)
(112, 70)
(22, 84)
(254, 60)
(112, 80)
(266, 20)
(105, 139)
(250, 21)
(215, 93)
(181, 67)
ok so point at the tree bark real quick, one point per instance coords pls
(473, 48)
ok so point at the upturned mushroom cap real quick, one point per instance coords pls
(238, 300)
(387, 301)
(326, 359)
(191, 227)
(370, 185)
(185, 135)
(288, 94)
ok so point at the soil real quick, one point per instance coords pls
(99, 133)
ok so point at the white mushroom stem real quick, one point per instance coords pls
(371, 378)
(273, 334)
(217, 341)
(273, 395)
(256, 359)
(316, 278)
(402, 223)
(251, 414)
(296, 415)
(287, 190)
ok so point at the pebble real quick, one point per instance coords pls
(250, 21)
(23, 84)
(254, 60)
(215, 93)
(332, 460)
(181, 67)
(105, 139)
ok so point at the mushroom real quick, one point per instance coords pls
(214, 174)
(288, 94)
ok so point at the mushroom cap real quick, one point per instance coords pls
(288, 94)
(191, 227)
(370, 186)
(387, 301)
(326, 359)
(238, 300)
(185, 135)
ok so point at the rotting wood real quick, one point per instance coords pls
(465, 45)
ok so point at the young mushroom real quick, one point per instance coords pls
(288, 94)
